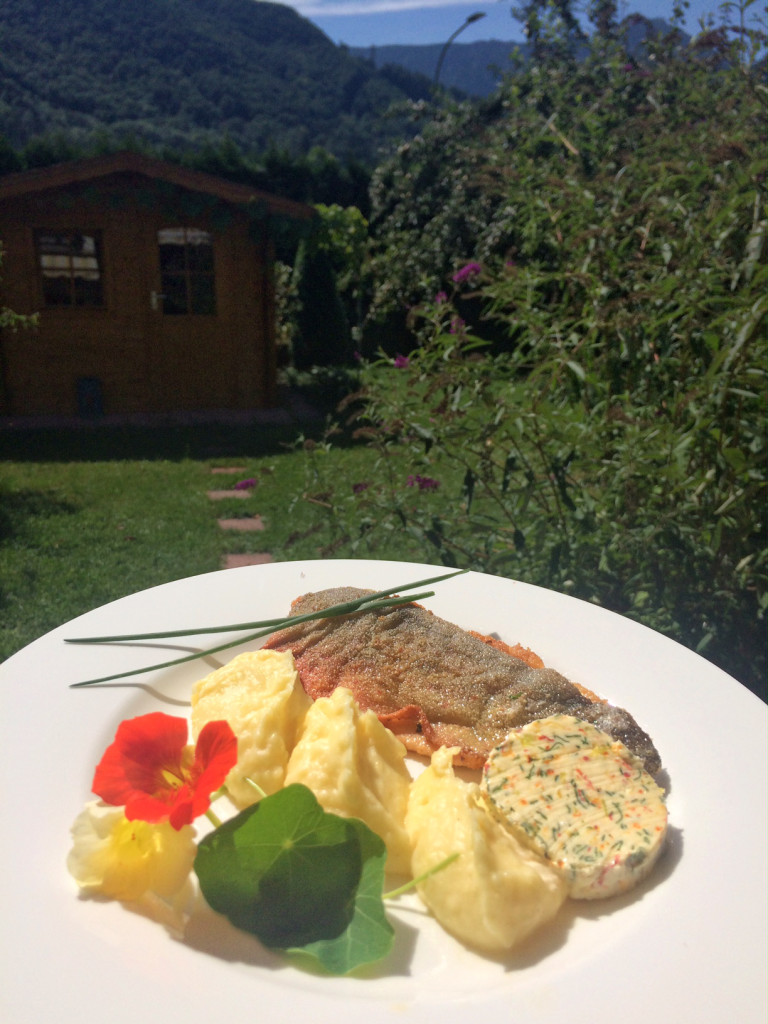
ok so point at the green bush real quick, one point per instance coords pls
(485, 181)
(322, 387)
(320, 299)
(600, 427)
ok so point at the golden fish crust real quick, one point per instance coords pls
(434, 684)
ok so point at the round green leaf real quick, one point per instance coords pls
(283, 870)
(369, 936)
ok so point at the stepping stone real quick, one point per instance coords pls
(246, 523)
(219, 495)
(238, 561)
(228, 469)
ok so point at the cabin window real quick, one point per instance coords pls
(71, 268)
(186, 271)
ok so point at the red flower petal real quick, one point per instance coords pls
(143, 748)
(141, 807)
(147, 768)
(215, 755)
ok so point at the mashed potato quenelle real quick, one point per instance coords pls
(356, 768)
(497, 892)
(261, 697)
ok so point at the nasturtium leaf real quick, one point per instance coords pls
(369, 936)
(299, 879)
(282, 869)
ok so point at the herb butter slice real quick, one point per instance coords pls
(581, 800)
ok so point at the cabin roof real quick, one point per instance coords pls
(42, 179)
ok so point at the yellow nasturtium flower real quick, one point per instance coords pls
(125, 860)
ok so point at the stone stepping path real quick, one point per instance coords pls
(220, 495)
(246, 524)
(241, 524)
(238, 561)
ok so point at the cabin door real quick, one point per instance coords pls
(191, 354)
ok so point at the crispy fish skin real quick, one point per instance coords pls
(433, 683)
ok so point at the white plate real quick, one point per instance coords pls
(690, 945)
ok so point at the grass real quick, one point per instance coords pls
(89, 517)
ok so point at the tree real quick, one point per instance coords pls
(602, 14)
(322, 335)
(551, 26)
(608, 217)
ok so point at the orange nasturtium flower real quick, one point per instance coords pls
(152, 770)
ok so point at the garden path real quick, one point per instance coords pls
(244, 524)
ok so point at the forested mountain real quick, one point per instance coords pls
(477, 68)
(178, 73)
(474, 68)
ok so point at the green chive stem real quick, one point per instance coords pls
(255, 786)
(214, 819)
(370, 602)
(420, 878)
(235, 643)
(167, 664)
(272, 624)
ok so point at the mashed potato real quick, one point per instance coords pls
(496, 892)
(356, 768)
(259, 693)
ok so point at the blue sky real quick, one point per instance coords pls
(378, 22)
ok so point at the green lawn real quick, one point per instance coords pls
(79, 528)
(89, 517)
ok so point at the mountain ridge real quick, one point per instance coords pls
(180, 76)
(476, 68)
(180, 73)
(473, 68)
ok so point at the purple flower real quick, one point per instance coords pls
(424, 483)
(457, 325)
(467, 271)
(440, 298)
(245, 485)
(634, 69)
(400, 362)
(359, 488)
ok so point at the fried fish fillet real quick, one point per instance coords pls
(434, 684)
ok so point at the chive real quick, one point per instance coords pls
(393, 893)
(370, 602)
(273, 624)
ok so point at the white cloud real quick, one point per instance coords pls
(357, 8)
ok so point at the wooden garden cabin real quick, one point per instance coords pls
(153, 285)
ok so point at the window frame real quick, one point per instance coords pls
(76, 291)
(188, 276)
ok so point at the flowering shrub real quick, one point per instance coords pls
(424, 483)
(466, 273)
(595, 406)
